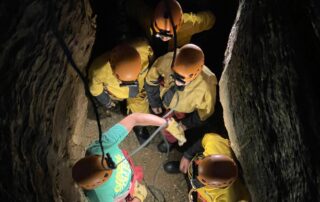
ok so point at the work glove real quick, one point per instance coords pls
(140, 191)
(176, 131)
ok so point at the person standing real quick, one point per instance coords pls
(189, 88)
(119, 75)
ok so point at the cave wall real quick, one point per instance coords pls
(269, 91)
(42, 102)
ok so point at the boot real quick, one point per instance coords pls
(162, 147)
(172, 167)
(142, 133)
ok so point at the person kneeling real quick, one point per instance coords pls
(213, 172)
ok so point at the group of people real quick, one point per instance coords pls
(154, 78)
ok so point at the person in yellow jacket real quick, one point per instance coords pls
(212, 171)
(189, 88)
(156, 23)
(119, 75)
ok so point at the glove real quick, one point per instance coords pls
(176, 131)
(140, 191)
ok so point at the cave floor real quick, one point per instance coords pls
(161, 186)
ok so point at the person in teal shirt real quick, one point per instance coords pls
(121, 183)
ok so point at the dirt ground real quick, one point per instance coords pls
(161, 186)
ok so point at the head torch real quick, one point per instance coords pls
(160, 33)
(163, 33)
(178, 77)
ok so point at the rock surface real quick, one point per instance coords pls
(270, 96)
(42, 101)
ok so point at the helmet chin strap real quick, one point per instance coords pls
(110, 162)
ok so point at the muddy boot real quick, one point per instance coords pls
(141, 133)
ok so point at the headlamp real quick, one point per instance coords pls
(163, 34)
(178, 77)
(160, 33)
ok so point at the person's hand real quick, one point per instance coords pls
(157, 110)
(184, 164)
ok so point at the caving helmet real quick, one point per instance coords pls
(188, 64)
(161, 23)
(216, 171)
(88, 172)
(125, 62)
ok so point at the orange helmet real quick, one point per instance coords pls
(189, 63)
(88, 172)
(217, 171)
(161, 22)
(125, 62)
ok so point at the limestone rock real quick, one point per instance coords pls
(41, 96)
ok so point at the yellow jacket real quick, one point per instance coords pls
(192, 23)
(199, 95)
(102, 79)
(215, 144)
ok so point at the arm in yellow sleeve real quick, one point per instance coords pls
(97, 76)
(152, 87)
(203, 111)
(202, 21)
(152, 77)
(206, 108)
(146, 53)
(98, 72)
(95, 86)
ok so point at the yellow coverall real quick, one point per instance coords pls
(102, 79)
(198, 96)
(215, 144)
(192, 23)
